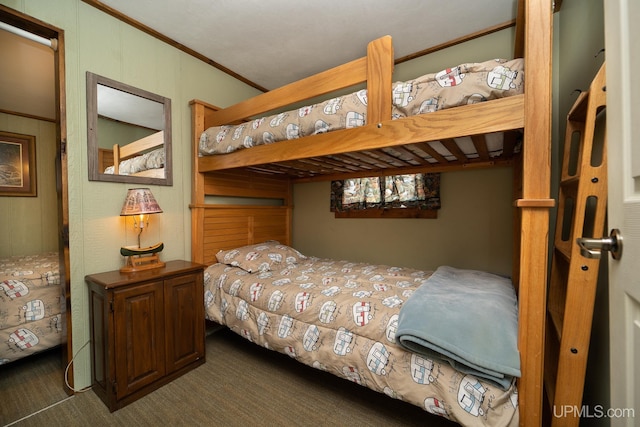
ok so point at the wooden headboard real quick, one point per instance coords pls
(229, 225)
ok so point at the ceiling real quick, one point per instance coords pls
(274, 42)
(129, 108)
(27, 77)
(268, 43)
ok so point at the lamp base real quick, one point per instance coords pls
(140, 263)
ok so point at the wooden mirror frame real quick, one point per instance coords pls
(95, 168)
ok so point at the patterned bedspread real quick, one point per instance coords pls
(152, 160)
(31, 305)
(452, 87)
(341, 317)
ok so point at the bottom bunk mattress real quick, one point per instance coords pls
(31, 305)
(342, 317)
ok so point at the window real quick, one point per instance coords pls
(394, 196)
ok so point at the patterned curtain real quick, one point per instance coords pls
(421, 191)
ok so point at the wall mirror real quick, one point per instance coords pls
(128, 133)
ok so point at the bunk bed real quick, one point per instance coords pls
(138, 158)
(268, 171)
(32, 305)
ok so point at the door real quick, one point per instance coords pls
(139, 336)
(623, 139)
(184, 325)
(41, 29)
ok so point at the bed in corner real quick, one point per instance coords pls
(510, 127)
(379, 326)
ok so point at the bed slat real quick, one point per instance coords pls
(406, 154)
(453, 148)
(411, 158)
(480, 142)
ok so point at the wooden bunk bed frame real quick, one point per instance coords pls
(268, 171)
(113, 157)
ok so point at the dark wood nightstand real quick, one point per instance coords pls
(147, 328)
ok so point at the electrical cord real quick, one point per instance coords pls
(66, 372)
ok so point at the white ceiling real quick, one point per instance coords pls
(274, 42)
(26, 77)
(128, 108)
(271, 42)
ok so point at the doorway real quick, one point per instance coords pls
(58, 172)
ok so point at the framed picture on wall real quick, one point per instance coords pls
(17, 164)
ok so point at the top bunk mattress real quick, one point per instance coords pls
(464, 84)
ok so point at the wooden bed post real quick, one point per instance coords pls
(534, 207)
(197, 186)
(379, 79)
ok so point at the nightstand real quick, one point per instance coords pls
(147, 328)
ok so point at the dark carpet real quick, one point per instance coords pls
(240, 384)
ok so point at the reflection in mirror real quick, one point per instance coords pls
(128, 133)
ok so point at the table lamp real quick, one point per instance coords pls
(140, 204)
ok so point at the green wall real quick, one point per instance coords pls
(473, 229)
(96, 42)
(30, 224)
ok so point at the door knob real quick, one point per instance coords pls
(592, 248)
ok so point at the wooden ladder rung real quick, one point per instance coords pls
(570, 182)
(578, 112)
(563, 249)
(556, 318)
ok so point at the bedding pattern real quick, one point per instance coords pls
(152, 160)
(31, 305)
(464, 84)
(342, 317)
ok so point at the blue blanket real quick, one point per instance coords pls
(467, 318)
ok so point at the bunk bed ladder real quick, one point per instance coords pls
(574, 273)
